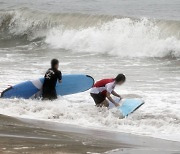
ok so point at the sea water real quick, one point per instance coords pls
(100, 38)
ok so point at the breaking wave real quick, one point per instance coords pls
(101, 34)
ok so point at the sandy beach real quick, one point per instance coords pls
(33, 136)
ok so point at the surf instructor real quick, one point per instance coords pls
(104, 88)
(50, 80)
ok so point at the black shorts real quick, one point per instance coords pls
(98, 98)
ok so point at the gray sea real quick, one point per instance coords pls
(140, 38)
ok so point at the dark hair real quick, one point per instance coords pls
(120, 77)
(54, 62)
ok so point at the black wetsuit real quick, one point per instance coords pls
(49, 85)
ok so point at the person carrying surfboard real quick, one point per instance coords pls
(104, 88)
(50, 80)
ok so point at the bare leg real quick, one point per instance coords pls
(103, 104)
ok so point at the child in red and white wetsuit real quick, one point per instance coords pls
(104, 88)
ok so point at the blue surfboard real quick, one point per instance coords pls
(71, 84)
(127, 106)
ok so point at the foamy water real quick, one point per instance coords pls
(122, 37)
(147, 50)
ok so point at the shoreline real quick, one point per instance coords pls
(36, 136)
(78, 129)
(83, 129)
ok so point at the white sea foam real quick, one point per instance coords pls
(121, 37)
(158, 117)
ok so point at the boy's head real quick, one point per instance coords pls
(54, 64)
(120, 79)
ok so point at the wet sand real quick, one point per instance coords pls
(33, 136)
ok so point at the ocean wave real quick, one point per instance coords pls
(102, 34)
(121, 37)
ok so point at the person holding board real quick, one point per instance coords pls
(104, 88)
(50, 80)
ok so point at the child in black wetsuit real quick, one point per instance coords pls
(50, 80)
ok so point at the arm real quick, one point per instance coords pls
(115, 94)
(110, 99)
(59, 77)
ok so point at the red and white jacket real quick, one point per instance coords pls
(103, 86)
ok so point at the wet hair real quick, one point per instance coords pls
(120, 78)
(54, 62)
